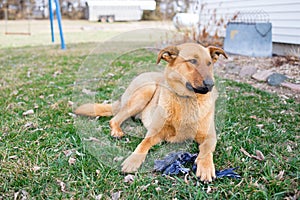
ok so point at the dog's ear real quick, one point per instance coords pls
(215, 52)
(168, 54)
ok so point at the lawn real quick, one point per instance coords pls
(48, 153)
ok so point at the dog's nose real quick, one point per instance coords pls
(209, 83)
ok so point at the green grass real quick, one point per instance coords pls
(35, 150)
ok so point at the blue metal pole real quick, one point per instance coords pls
(58, 15)
(51, 20)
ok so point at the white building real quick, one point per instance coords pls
(118, 10)
(283, 14)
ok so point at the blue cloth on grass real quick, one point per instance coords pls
(173, 164)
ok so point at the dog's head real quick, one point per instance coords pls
(190, 67)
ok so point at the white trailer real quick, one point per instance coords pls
(117, 10)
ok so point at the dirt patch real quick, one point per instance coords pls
(288, 66)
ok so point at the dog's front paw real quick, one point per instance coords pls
(206, 169)
(133, 162)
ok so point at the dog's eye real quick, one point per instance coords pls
(209, 63)
(193, 61)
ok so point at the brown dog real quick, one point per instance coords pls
(174, 106)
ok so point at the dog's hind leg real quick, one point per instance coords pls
(133, 105)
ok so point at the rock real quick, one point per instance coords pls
(232, 68)
(247, 71)
(292, 86)
(276, 79)
(262, 75)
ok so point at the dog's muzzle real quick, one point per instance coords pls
(208, 85)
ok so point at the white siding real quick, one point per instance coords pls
(283, 14)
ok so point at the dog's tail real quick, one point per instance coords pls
(94, 110)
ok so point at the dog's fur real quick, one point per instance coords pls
(174, 106)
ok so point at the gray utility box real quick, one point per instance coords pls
(249, 39)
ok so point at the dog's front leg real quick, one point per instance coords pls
(155, 135)
(134, 161)
(205, 164)
(207, 142)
